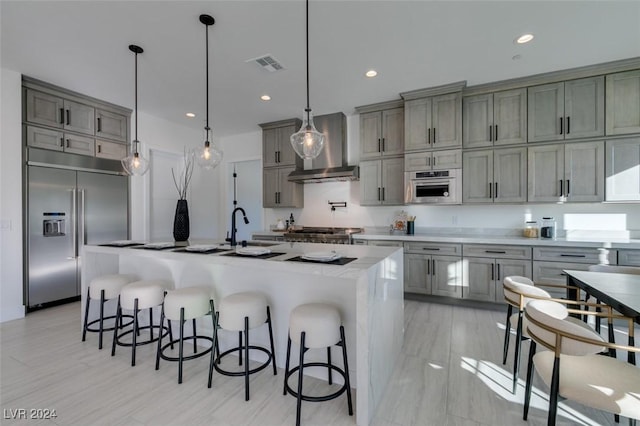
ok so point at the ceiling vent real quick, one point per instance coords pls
(267, 62)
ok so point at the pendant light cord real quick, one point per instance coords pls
(308, 110)
(206, 31)
(136, 100)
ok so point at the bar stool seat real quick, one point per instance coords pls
(183, 304)
(104, 288)
(241, 312)
(135, 296)
(315, 326)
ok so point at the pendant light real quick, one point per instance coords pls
(134, 163)
(307, 142)
(211, 155)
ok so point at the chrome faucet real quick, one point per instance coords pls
(233, 224)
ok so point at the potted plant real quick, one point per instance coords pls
(181, 219)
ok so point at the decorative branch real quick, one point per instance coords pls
(182, 183)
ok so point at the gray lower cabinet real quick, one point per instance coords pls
(566, 110)
(629, 257)
(566, 172)
(433, 268)
(382, 182)
(495, 119)
(549, 263)
(623, 103)
(111, 125)
(622, 170)
(111, 150)
(278, 191)
(485, 266)
(495, 176)
(59, 141)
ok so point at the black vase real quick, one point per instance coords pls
(181, 221)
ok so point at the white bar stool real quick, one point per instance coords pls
(314, 326)
(103, 288)
(241, 312)
(134, 297)
(182, 305)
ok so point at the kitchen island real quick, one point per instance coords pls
(368, 291)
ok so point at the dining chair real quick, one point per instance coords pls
(518, 291)
(572, 366)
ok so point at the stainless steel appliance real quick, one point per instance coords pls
(433, 187)
(314, 234)
(66, 209)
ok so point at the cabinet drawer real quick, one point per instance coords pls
(629, 257)
(498, 252)
(417, 161)
(45, 138)
(433, 248)
(574, 254)
(384, 243)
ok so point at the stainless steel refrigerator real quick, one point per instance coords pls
(66, 209)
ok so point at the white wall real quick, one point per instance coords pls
(11, 305)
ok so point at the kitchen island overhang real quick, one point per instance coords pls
(368, 292)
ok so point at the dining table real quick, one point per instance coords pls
(620, 291)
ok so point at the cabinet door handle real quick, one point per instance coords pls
(434, 161)
(495, 193)
(430, 248)
(560, 125)
(568, 125)
(429, 136)
(496, 251)
(99, 124)
(428, 268)
(379, 192)
(379, 145)
(99, 149)
(492, 273)
(561, 188)
(433, 267)
(62, 142)
(382, 144)
(572, 255)
(567, 187)
(68, 143)
(61, 115)
(68, 117)
(490, 133)
(490, 188)
(428, 161)
(434, 135)
(383, 193)
(498, 267)
(495, 136)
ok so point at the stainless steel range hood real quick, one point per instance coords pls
(331, 165)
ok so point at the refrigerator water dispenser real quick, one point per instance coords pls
(53, 227)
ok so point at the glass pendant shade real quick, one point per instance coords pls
(134, 163)
(210, 156)
(307, 142)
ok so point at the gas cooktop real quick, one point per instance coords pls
(315, 234)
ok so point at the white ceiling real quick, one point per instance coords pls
(83, 46)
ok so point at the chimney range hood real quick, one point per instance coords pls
(331, 165)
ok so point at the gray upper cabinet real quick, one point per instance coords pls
(278, 191)
(39, 137)
(566, 172)
(382, 133)
(110, 125)
(433, 122)
(382, 182)
(566, 110)
(111, 150)
(495, 176)
(495, 119)
(53, 111)
(433, 160)
(623, 103)
(623, 170)
(276, 145)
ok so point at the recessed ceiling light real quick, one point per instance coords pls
(524, 38)
(190, 114)
(371, 73)
(265, 97)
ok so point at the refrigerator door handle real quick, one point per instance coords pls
(74, 224)
(81, 220)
